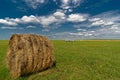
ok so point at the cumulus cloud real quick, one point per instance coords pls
(16, 21)
(7, 22)
(55, 18)
(60, 15)
(77, 17)
(86, 26)
(30, 19)
(45, 21)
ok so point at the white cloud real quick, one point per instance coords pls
(59, 14)
(16, 20)
(77, 17)
(77, 34)
(73, 35)
(105, 24)
(70, 10)
(31, 27)
(104, 32)
(7, 22)
(30, 19)
(107, 31)
(94, 19)
(45, 21)
(67, 4)
(24, 19)
(9, 27)
(99, 26)
(56, 19)
(105, 19)
(84, 33)
(97, 23)
(34, 3)
(109, 23)
(101, 23)
(3, 27)
(63, 35)
(88, 34)
(79, 29)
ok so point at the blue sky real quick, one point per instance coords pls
(61, 19)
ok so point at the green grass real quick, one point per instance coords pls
(79, 60)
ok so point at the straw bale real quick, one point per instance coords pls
(29, 53)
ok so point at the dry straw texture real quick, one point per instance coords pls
(29, 53)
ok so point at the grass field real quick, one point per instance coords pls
(79, 60)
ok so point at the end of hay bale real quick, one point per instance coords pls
(29, 53)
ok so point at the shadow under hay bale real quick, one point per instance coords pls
(29, 53)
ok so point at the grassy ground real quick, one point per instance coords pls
(79, 60)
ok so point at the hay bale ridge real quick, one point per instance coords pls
(29, 53)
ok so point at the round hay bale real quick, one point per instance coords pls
(29, 53)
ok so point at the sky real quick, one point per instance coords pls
(61, 19)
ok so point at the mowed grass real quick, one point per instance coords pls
(79, 60)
